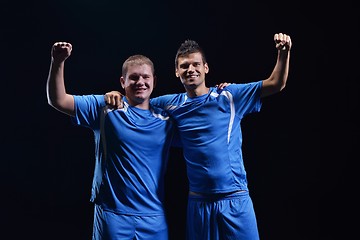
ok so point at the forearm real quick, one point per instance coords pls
(56, 92)
(281, 71)
(278, 78)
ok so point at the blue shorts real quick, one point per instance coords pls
(226, 217)
(112, 226)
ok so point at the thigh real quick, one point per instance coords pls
(151, 227)
(112, 226)
(228, 218)
(198, 219)
(236, 218)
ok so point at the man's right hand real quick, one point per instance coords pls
(114, 99)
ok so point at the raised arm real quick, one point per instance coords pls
(277, 80)
(55, 87)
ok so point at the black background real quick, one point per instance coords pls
(300, 150)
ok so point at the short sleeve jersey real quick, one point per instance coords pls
(210, 131)
(131, 153)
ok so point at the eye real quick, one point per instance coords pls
(134, 77)
(184, 65)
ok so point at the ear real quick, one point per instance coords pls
(122, 82)
(206, 66)
(176, 73)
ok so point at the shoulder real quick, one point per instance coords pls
(92, 99)
(167, 99)
(233, 87)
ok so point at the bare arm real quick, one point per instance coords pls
(277, 80)
(55, 86)
(114, 98)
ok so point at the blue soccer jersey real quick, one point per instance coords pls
(210, 131)
(131, 152)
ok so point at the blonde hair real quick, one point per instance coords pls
(137, 59)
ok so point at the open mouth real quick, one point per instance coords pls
(192, 76)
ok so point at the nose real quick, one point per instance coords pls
(191, 68)
(140, 81)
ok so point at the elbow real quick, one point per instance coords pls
(271, 87)
(279, 85)
(53, 103)
(49, 100)
(282, 86)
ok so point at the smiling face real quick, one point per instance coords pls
(138, 82)
(191, 70)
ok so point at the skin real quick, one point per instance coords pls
(138, 82)
(191, 70)
(55, 87)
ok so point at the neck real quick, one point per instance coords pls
(198, 91)
(142, 104)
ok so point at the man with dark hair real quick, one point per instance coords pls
(209, 124)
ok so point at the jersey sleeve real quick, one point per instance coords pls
(88, 109)
(164, 101)
(246, 97)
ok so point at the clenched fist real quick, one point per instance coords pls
(61, 51)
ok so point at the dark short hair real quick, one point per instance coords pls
(187, 47)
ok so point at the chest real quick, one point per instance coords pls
(126, 127)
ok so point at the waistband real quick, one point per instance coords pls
(217, 195)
